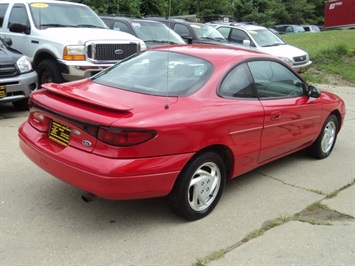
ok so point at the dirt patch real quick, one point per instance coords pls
(331, 79)
(322, 215)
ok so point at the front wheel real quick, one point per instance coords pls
(49, 71)
(198, 187)
(325, 142)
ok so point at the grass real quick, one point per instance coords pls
(332, 53)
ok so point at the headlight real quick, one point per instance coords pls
(287, 60)
(74, 53)
(143, 45)
(24, 65)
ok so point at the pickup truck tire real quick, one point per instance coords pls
(48, 71)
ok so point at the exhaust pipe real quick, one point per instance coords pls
(88, 197)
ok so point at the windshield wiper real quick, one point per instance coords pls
(88, 26)
(55, 25)
(162, 41)
(217, 39)
(274, 44)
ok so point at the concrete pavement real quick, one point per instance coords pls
(43, 221)
(326, 237)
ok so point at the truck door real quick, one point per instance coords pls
(20, 41)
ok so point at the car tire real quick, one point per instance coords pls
(48, 71)
(199, 187)
(325, 142)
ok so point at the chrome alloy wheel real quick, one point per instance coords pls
(204, 186)
(329, 135)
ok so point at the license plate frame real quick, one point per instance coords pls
(3, 91)
(59, 133)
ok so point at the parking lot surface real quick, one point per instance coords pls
(44, 221)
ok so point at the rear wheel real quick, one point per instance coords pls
(325, 142)
(198, 187)
(49, 71)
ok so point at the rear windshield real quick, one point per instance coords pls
(162, 73)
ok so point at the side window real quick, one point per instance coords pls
(289, 29)
(18, 15)
(273, 79)
(224, 31)
(181, 29)
(121, 26)
(238, 83)
(239, 36)
(3, 8)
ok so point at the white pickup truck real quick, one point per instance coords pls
(65, 41)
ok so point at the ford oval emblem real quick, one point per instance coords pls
(86, 143)
(118, 51)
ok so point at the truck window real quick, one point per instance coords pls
(18, 15)
(3, 8)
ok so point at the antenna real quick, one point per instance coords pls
(168, 60)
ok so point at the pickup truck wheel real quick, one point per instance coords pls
(48, 71)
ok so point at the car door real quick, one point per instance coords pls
(291, 116)
(21, 41)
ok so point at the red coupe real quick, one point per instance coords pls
(177, 121)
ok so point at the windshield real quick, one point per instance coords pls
(161, 73)
(205, 31)
(64, 15)
(265, 38)
(155, 32)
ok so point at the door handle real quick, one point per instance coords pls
(275, 116)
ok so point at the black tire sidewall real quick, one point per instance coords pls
(178, 198)
(315, 150)
(50, 66)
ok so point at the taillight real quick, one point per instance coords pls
(124, 137)
(39, 121)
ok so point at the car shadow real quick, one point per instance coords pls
(61, 197)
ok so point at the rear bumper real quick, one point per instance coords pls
(108, 178)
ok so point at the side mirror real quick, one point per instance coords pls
(246, 42)
(188, 38)
(313, 92)
(19, 28)
(8, 41)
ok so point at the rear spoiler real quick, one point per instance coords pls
(86, 97)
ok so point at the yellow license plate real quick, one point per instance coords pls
(2, 91)
(59, 133)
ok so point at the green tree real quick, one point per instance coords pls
(263, 12)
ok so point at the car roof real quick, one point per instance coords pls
(128, 19)
(43, 1)
(184, 21)
(216, 54)
(244, 26)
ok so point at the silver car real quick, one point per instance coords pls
(261, 39)
(17, 77)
